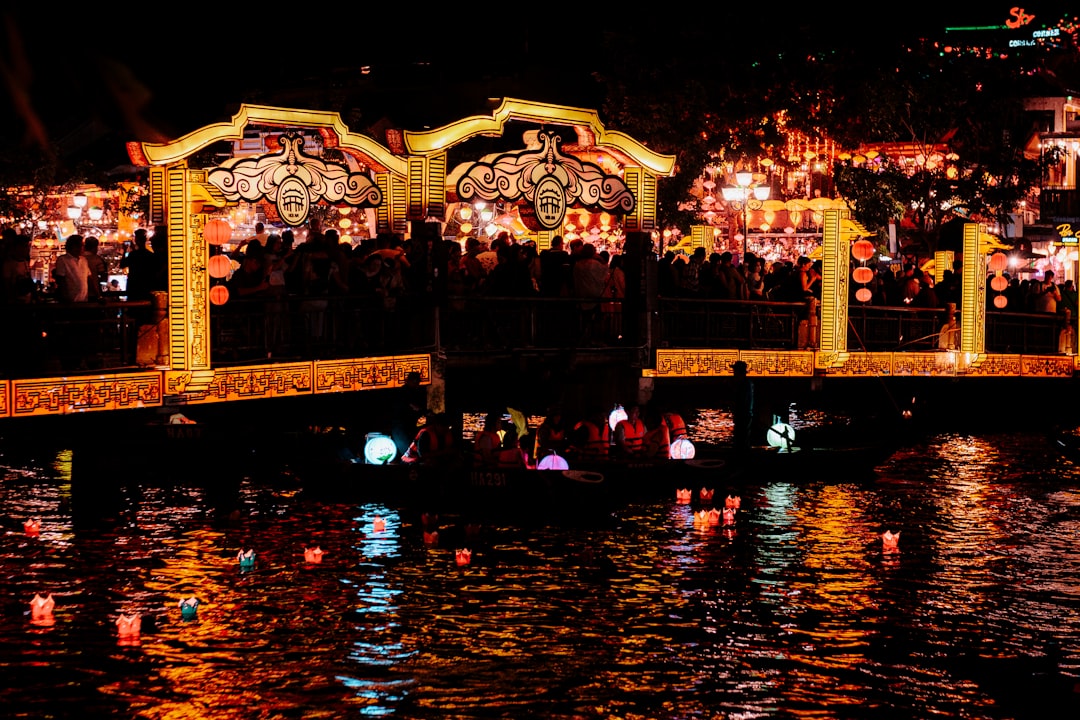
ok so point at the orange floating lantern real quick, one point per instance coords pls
(890, 541)
(378, 524)
(463, 557)
(682, 496)
(313, 555)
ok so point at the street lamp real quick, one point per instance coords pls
(746, 196)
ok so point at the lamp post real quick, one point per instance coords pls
(745, 193)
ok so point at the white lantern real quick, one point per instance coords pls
(379, 449)
(552, 461)
(682, 449)
(617, 416)
(781, 435)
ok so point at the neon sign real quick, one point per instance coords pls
(1067, 234)
(1020, 18)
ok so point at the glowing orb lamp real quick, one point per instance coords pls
(781, 435)
(682, 449)
(379, 449)
(617, 416)
(554, 461)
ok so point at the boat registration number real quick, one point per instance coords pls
(489, 479)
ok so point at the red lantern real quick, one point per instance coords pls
(219, 266)
(998, 262)
(862, 275)
(863, 250)
(999, 283)
(219, 294)
(217, 231)
(1000, 301)
(863, 295)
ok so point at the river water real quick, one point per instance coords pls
(794, 610)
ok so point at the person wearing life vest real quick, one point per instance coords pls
(487, 442)
(629, 437)
(551, 436)
(510, 456)
(658, 440)
(676, 425)
(433, 443)
(591, 438)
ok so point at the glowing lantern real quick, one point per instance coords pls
(32, 527)
(1000, 301)
(714, 516)
(217, 232)
(862, 250)
(617, 415)
(862, 275)
(41, 608)
(780, 435)
(128, 628)
(246, 558)
(706, 495)
(378, 524)
(890, 541)
(463, 557)
(999, 283)
(729, 516)
(313, 555)
(863, 295)
(219, 266)
(379, 449)
(733, 501)
(682, 449)
(998, 261)
(682, 496)
(219, 294)
(553, 461)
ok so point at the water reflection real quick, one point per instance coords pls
(792, 610)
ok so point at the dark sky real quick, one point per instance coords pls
(62, 65)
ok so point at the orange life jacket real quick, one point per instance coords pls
(510, 458)
(676, 425)
(659, 440)
(597, 440)
(493, 441)
(633, 435)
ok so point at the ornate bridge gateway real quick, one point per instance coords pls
(547, 160)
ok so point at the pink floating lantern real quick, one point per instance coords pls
(41, 609)
(32, 527)
(463, 557)
(729, 516)
(890, 541)
(378, 524)
(683, 496)
(313, 554)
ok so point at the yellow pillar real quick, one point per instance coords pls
(973, 293)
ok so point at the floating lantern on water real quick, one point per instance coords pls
(701, 517)
(379, 449)
(714, 516)
(246, 559)
(128, 629)
(729, 516)
(189, 608)
(553, 461)
(706, 495)
(32, 527)
(41, 610)
(463, 557)
(682, 496)
(313, 555)
(682, 449)
(378, 524)
(734, 502)
(890, 541)
(431, 538)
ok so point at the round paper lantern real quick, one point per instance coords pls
(219, 266)
(1000, 301)
(998, 261)
(379, 449)
(217, 231)
(863, 250)
(682, 449)
(863, 295)
(219, 294)
(617, 415)
(999, 283)
(553, 461)
(863, 275)
(781, 435)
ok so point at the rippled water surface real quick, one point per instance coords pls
(795, 610)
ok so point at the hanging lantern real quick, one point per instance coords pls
(863, 295)
(217, 231)
(862, 250)
(1000, 301)
(219, 266)
(219, 294)
(999, 283)
(862, 275)
(998, 262)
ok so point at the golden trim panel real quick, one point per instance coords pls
(64, 396)
(717, 363)
(256, 382)
(5, 398)
(369, 373)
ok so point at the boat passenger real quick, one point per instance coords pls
(551, 436)
(433, 444)
(658, 441)
(486, 442)
(591, 438)
(629, 438)
(676, 425)
(510, 455)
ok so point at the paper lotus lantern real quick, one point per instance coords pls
(733, 501)
(313, 555)
(128, 628)
(862, 250)
(246, 558)
(683, 496)
(41, 609)
(729, 516)
(863, 295)
(463, 557)
(378, 524)
(32, 527)
(701, 517)
(780, 435)
(553, 461)
(219, 294)
(682, 449)
(189, 608)
(862, 275)
(217, 232)
(998, 262)
(219, 266)
(890, 541)
(706, 495)
(714, 516)
(999, 283)
(379, 449)
(431, 538)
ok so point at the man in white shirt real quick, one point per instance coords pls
(72, 272)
